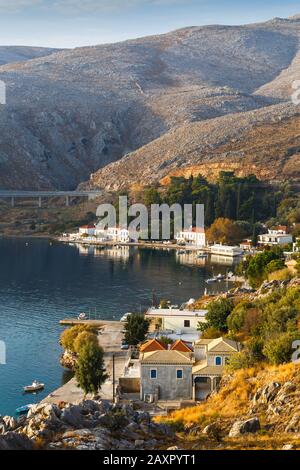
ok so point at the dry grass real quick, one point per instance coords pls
(232, 401)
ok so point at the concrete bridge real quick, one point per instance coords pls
(40, 195)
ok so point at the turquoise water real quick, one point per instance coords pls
(43, 282)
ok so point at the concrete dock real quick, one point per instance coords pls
(110, 338)
(95, 323)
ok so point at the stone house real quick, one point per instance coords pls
(181, 373)
(211, 357)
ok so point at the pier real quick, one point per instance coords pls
(13, 195)
(95, 323)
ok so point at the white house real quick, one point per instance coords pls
(114, 234)
(87, 230)
(193, 236)
(179, 321)
(275, 236)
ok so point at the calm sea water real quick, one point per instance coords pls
(42, 282)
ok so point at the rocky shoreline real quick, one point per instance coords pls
(90, 425)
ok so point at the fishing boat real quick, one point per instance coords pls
(211, 280)
(34, 387)
(22, 410)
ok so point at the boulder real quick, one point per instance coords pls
(251, 425)
(267, 393)
(72, 415)
(14, 441)
(294, 424)
(288, 447)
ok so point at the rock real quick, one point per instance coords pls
(288, 447)
(294, 424)
(14, 441)
(266, 394)
(10, 423)
(72, 415)
(251, 425)
(138, 442)
(285, 394)
(209, 429)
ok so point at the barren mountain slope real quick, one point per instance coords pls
(76, 111)
(9, 54)
(264, 142)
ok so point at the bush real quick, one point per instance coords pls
(136, 328)
(279, 349)
(281, 275)
(68, 336)
(216, 317)
(83, 338)
(211, 333)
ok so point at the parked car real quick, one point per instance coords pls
(124, 347)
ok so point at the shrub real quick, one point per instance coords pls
(136, 328)
(217, 314)
(211, 333)
(83, 338)
(279, 349)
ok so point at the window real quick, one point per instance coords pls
(187, 323)
(179, 374)
(218, 361)
(153, 373)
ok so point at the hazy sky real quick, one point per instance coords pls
(70, 23)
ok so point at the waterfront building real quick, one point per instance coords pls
(194, 236)
(88, 230)
(276, 236)
(225, 250)
(177, 320)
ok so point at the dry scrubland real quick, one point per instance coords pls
(234, 402)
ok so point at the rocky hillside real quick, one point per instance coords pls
(90, 425)
(75, 111)
(255, 409)
(9, 54)
(264, 142)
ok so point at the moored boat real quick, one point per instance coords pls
(22, 410)
(34, 387)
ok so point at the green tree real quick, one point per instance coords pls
(279, 349)
(90, 372)
(83, 338)
(136, 329)
(216, 317)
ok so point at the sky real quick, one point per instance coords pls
(73, 23)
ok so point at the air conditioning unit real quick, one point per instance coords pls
(149, 398)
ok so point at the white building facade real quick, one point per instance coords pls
(275, 236)
(194, 236)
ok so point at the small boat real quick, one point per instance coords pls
(34, 387)
(22, 410)
(82, 316)
(211, 280)
(220, 277)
